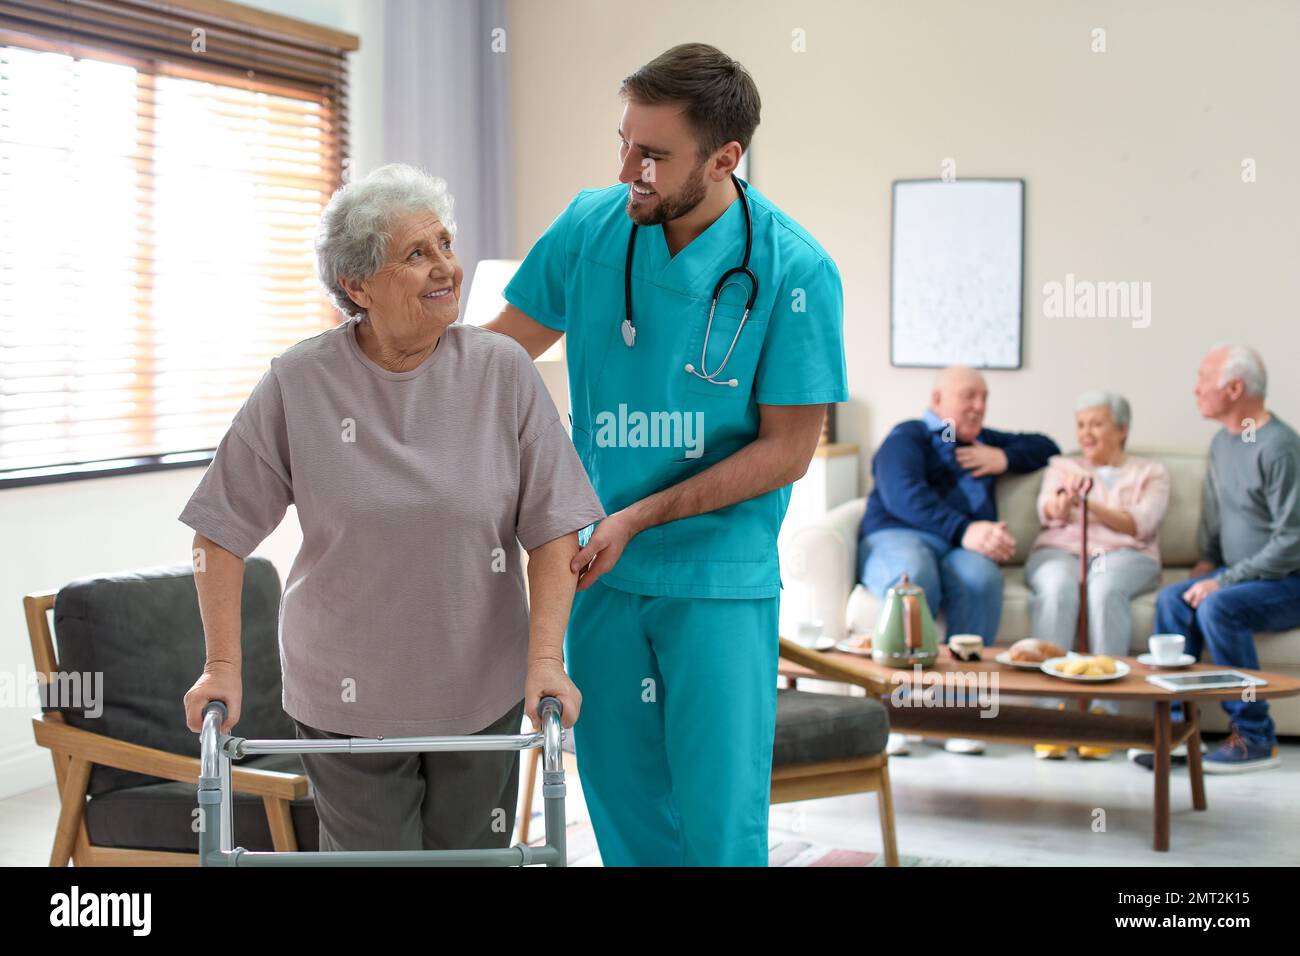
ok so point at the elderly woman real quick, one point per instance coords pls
(420, 455)
(1126, 505)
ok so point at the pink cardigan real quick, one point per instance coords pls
(1141, 488)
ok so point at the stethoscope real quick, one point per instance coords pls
(629, 329)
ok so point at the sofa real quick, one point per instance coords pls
(821, 558)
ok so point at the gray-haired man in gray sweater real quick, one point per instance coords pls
(1248, 578)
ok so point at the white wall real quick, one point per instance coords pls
(1132, 160)
(55, 533)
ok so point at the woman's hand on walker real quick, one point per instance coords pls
(221, 681)
(546, 678)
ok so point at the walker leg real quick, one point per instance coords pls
(553, 789)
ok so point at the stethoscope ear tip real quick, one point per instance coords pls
(733, 382)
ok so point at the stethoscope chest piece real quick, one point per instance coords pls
(629, 333)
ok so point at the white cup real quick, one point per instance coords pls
(1166, 648)
(810, 632)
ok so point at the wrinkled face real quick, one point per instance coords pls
(419, 281)
(660, 163)
(1100, 439)
(1212, 399)
(961, 399)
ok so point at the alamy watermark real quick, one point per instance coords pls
(638, 429)
(1085, 299)
(65, 690)
(922, 688)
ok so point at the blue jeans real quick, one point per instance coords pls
(965, 585)
(1226, 623)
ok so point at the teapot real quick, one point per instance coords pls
(905, 634)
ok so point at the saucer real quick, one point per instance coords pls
(1183, 661)
(822, 643)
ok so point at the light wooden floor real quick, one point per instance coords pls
(1003, 808)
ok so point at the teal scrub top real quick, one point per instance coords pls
(641, 422)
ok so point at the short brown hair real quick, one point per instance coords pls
(717, 93)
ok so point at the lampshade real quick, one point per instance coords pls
(485, 301)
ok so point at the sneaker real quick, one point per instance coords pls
(897, 745)
(1147, 758)
(1239, 755)
(1179, 751)
(963, 745)
(1051, 751)
(1087, 752)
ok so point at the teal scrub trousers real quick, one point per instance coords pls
(674, 741)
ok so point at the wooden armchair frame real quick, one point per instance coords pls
(76, 751)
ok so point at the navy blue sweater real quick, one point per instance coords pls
(915, 488)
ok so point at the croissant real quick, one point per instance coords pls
(1033, 650)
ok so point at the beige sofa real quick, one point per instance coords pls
(822, 557)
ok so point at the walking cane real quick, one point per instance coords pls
(1081, 637)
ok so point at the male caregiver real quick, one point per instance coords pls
(704, 339)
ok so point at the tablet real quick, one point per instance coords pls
(1205, 680)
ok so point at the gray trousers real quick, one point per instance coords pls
(1114, 579)
(416, 801)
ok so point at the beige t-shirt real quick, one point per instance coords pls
(404, 613)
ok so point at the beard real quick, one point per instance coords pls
(672, 207)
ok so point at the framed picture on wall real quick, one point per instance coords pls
(956, 292)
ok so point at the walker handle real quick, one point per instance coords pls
(214, 715)
(548, 704)
(220, 707)
(553, 736)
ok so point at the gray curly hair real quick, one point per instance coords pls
(1120, 412)
(354, 229)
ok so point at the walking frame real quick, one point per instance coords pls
(216, 804)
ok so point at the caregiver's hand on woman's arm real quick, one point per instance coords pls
(550, 591)
(219, 578)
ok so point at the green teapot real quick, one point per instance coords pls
(905, 635)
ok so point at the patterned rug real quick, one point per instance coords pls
(784, 851)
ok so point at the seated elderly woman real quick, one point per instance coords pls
(420, 455)
(1126, 505)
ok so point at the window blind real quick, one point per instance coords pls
(162, 171)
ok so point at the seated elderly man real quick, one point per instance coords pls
(1248, 578)
(932, 514)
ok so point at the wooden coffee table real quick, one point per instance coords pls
(1035, 725)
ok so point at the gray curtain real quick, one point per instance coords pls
(446, 97)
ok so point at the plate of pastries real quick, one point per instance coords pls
(1029, 654)
(1085, 667)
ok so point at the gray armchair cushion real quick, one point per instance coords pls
(159, 816)
(142, 631)
(814, 727)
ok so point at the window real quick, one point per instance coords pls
(159, 193)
